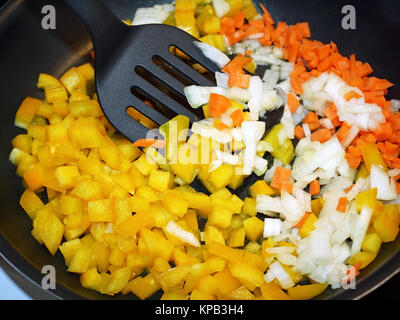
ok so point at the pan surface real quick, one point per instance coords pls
(28, 49)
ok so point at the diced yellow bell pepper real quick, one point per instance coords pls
(283, 151)
(371, 243)
(225, 252)
(85, 108)
(249, 206)
(237, 238)
(316, 206)
(100, 211)
(175, 203)
(101, 255)
(220, 217)
(221, 177)
(254, 228)
(70, 205)
(372, 155)
(49, 229)
(198, 295)
(161, 180)
(253, 247)
(87, 71)
(235, 7)
(156, 245)
(73, 79)
(85, 134)
(174, 277)
(31, 203)
(249, 9)
(362, 171)
(55, 94)
(185, 20)
(241, 293)
(91, 279)
(366, 198)
(362, 257)
(260, 187)
(271, 291)
(213, 234)
(387, 222)
(145, 287)
(22, 142)
(46, 80)
(26, 112)
(117, 281)
(306, 292)
(37, 131)
(67, 176)
(308, 226)
(227, 283)
(35, 177)
(133, 224)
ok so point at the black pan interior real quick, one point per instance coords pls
(27, 50)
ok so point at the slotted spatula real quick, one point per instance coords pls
(120, 50)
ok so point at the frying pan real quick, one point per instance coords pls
(27, 49)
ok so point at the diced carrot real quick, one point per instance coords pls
(239, 20)
(351, 274)
(156, 143)
(281, 179)
(237, 117)
(352, 95)
(354, 161)
(239, 80)
(218, 104)
(383, 132)
(237, 64)
(293, 102)
(343, 131)
(299, 132)
(297, 70)
(342, 204)
(227, 26)
(321, 135)
(315, 187)
(267, 16)
(349, 188)
(310, 117)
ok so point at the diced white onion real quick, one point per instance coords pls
(177, 231)
(212, 53)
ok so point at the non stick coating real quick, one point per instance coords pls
(27, 50)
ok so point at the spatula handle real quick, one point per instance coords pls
(103, 26)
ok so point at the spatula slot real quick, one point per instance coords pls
(161, 63)
(160, 91)
(192, 63)
(151, 102)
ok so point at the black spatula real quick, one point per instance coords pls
(121, 50)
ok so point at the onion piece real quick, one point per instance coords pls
(272, 227)
(212, 53)
(177, 231)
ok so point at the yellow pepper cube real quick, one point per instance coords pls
(70, 205)
(37, 131)
(85, 134)
(73, 79)
(49, 229)
(306, 292)
(366, 198)
(148, 193)
(225, 252)
(125, 181)
(237, 238)
(387, 222)
(220, 217)
(134, 223)
(215, 264)
(245, 272)
(316, 206)
(117, 257)
(308, 226)
(66, 176)
(117, 281)
(372, 155)
(212, 234)
(227, 283)
(145, 165)
(31, 203)
(221, 177)
(22, 142)
(91, 279)
(100, 211)
(174, 277)
(87, 71)
(371, 243)
(55, 94)
(69, 248)
(260, 187)
(249, 206)
(175, 203)
(111, 156)
(101, 253)
(161, 180)
(362, 257)
(26, 112)
(272, 291)
(84, 108)
(138, 204)
(254, 228)
(145, 287)
(87, 190)
(46, 80)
